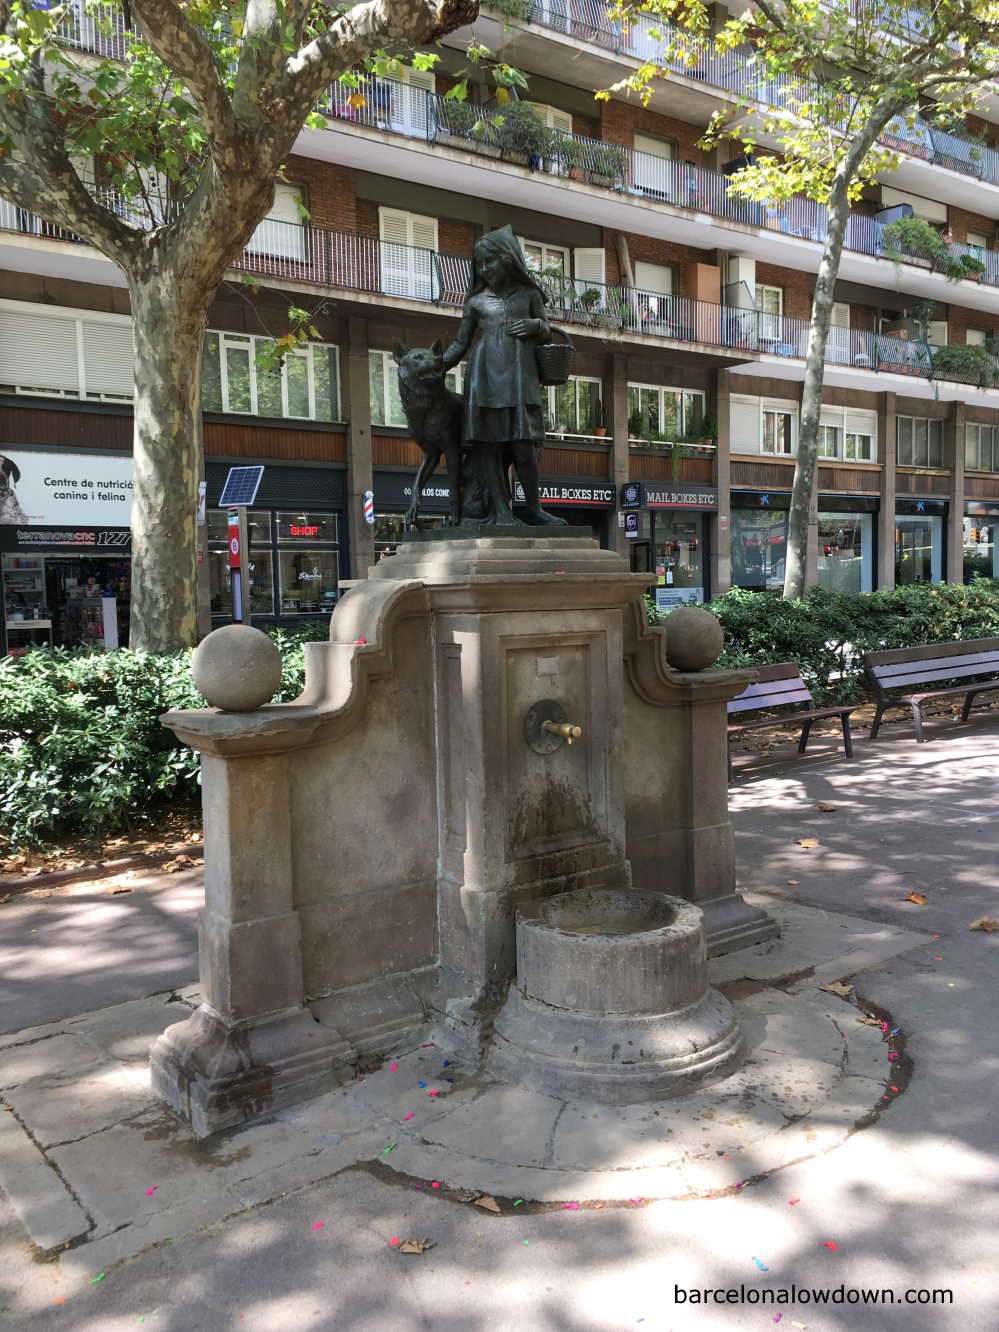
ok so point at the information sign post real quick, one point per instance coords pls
(238, 493)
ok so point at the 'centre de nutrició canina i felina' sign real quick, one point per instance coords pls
(55, 489)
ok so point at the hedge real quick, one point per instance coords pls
(82, 751)
(827, 633)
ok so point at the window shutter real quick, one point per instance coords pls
(561, 120)
(840, 317)
(974, 337)
(406, 271)
(936, 333)
(288, 240)
(393, 226)
(107, 358)
(38, 352)
(744, 424)
(423, 231)
(424, 79)
(860, 421)
(656, 278)
(589, 265)
(654, 147)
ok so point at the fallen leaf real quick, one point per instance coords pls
(985, 923)
(490, 1204)
(809, 843)
(918, 898)
(117, 892)
(828, 809)
(837, 987)
(416, 1245)
(792, 883)
(869, 1021)
(178, 863)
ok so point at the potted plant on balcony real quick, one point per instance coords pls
(964, 365)
(522, 135)
(605, 164)
(457, 122)
(912, 240)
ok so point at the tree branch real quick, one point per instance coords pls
(356, 35)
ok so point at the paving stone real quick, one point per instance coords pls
(56, 1111)
(58, 1057)
(507, 1124)
(128, 1030)
(45, 1206)
(303, 1170)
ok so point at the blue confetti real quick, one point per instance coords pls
(446, 1063)
(762, 1266)
(421, 1084)
(449, 1079)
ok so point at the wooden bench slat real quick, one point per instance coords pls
(954, 662)
(762, 701)
(940, 672)
(792, 718)
(769, 687)
(928, 651)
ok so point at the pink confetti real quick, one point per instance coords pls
(150, 1192)
(560, 571)
(433, 1092)
(360, 640)
(572, 1207)
(635, 1200)
(427, 1045)
(830, 1245)
(393, 1068)
(778, 1317)
(894, 1089)
(434, 1184)
(793, 1202)
(318, 1225)
(892, 1054)
(394, 1241)
(410, 1115)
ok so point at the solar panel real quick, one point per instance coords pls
(241, 486)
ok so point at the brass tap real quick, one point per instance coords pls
(566, 730)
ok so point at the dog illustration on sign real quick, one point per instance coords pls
(10, 507)
(433, 415)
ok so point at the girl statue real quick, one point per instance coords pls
(504, 423)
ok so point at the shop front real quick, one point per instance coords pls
(846, 541)
(981, 547)
(64, 548)
(920, 533)
(297, 543)
(668, 535)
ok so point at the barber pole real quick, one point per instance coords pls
(369, 506)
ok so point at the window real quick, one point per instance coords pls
(300, 545)
(770, 301)
(978, 239)
(778, 432)
(759, 548)
(664, 413)
(306, 387)
(573, 408)
(981, 549)
(920, 442)
(553, 116)
(383, 389)
(53, 352)
(918, 549)
(974, 337)
(282, 232)
(408, 250)
(845, 555)
(859, 447)
(830, 441)
(543, 258)
(653, 164)
(981, 448)
(258, 523)
(848, 433)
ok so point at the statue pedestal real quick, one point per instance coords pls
(368, 846)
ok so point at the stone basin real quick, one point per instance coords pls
(612, 1001)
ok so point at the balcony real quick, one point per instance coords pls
(748, 341)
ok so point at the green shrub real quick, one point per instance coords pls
(827, 633)
(82, 750)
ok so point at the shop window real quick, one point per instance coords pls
(981, 549)
(383, 388)
(845, 556)
(310, 527)
(656, 412)
(759, 548)
(573, 408)
(258, 526)
(390, 528)
(918, 549)
(778, 432)
(678, 550)
(308, 580)
(234, 379)
(981, 448)
(920, 442)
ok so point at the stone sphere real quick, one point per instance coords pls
(694, 638)
(237, 668)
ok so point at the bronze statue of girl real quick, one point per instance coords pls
(504, 418)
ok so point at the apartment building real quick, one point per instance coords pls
(688, 308)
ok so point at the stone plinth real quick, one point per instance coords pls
(612, 1002)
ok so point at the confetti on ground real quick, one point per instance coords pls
(489, 1204)
(389, 1148)
(393, 1068)
(892, 1054)
(778, 1317)
(762, 1266)
(150, 1192)
(894, 1089)
(446, 1063)
(793, 1202)
(517, 1202)
(100, 1277)
(416, 1245)
(829, 1244)
(410, 1115)
(950, 985)
(60, 1300)
(938, 959)
(433, 1091)
(360, 641)
(421, 1084)
(435, 1184)
(572, 1207)
(427, 1045)
(635, 1200)
(808, 843)
(985, 923)
(394, 1241)
(318, 1225)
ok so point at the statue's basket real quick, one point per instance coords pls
(555, 359)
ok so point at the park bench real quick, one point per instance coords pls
(933, 663)
(781, 686)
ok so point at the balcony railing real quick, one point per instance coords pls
(317, 256)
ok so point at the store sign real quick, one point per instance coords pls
(70, 490)
(654, 495)
(569, 494)
(104, 540)
(632, 495)
(668, 597)
(632, 531)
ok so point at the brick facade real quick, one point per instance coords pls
(621, 121)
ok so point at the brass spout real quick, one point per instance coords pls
(566, 730)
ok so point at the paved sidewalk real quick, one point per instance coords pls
(909, 1202)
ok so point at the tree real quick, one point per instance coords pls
(166, 163)
(845, 72)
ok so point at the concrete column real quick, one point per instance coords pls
(360, 469)
(954, 459)
(616, 394)
(721, 535)
(888, 453)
